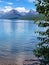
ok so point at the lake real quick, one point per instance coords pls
(17, 40)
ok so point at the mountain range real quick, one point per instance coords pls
(14, 14)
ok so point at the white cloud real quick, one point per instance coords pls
(7, 8)
(10, 3)
(21, 9)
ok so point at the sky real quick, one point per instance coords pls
(20, 5)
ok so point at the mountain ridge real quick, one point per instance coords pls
(14, 14)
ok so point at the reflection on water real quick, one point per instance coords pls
(17, 40)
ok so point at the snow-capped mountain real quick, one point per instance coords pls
(32, 13)
(11, 14)
(14, 14)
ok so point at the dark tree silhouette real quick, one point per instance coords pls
(42, 6)
(42, 48)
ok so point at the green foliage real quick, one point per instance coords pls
(42, 6)
(42, 48)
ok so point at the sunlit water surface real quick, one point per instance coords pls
(17, 40)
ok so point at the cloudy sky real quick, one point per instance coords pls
(20, 5)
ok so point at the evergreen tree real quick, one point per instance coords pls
(42, 6)
(42, 48)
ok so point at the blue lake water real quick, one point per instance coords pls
(17, 40)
